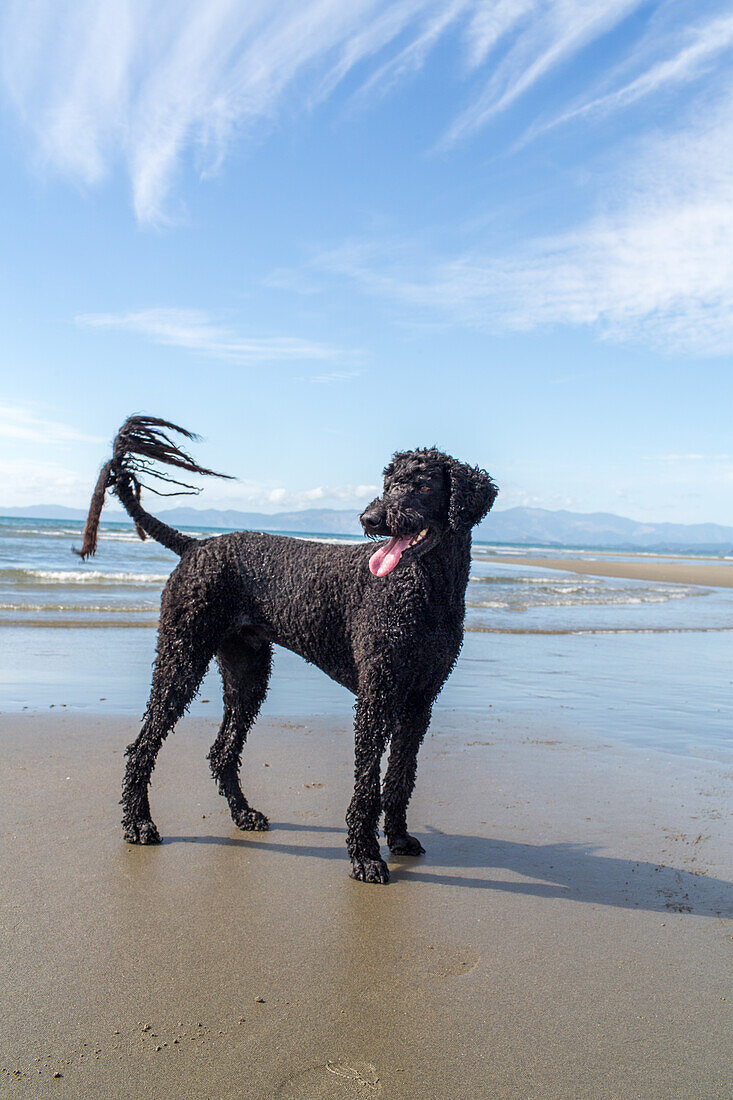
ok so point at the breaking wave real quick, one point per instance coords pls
(47, 577)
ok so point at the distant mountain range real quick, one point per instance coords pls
(314, 520)
(601, 529)
(516, 526)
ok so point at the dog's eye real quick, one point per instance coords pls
(424, 488)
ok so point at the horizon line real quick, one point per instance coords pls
(116, 511)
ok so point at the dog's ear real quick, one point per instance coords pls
(472, 492)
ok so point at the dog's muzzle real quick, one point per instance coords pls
(387, 557)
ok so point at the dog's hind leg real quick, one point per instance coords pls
(183, 657)
(399, 779)
(245, 671)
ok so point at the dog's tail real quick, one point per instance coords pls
(140, 443)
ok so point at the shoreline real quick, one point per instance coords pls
(710, 575)
(624, 688)
(661, 555)
(563, 936)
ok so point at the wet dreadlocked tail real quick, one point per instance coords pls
(139, 444)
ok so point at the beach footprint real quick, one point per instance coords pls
(336, 1079)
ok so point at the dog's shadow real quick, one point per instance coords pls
(570, 871)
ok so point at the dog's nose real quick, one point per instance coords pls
(372, 521)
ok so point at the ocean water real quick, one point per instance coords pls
(647, 663)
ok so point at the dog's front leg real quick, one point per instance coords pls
(371, 728)
(400, 778)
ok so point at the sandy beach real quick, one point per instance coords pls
(564, 936)
(715, 574)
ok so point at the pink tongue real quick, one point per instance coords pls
(385, 559)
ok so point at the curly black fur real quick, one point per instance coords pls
(391, 640)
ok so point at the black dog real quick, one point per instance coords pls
(388, 625)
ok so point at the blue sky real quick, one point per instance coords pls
(320, 232)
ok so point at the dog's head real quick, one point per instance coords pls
(427, 496)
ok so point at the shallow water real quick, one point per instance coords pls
(669, 692)
(648, 664)
(42, 584)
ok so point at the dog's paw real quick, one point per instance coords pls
(251, 821)
(405, 845)
(369, 870)
(141, 832)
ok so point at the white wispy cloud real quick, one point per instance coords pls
(657, 267)
(144, 82)
(250, 494)
(411, 57)
(544, 35)
(28, 481)
(155, 84)
(690, 58)
(198, 332)
(22, 423)
(25, 481)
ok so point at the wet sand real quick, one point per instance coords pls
(563, 937)
(715, 574)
